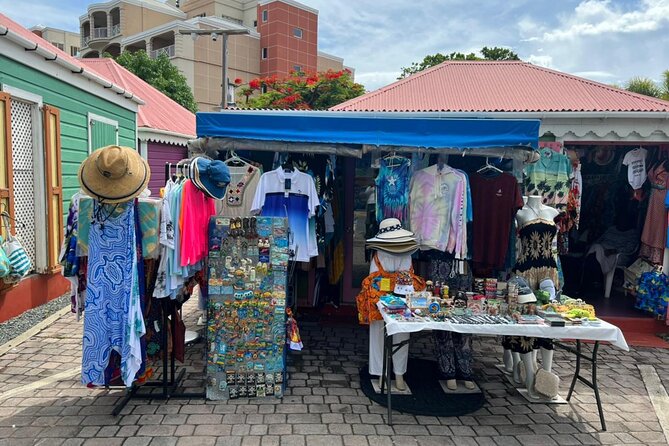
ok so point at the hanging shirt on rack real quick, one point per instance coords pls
(550, 178)
(293, 195)
(194, 224)
(495, 201)
(635, 160)
(392, 189)
(437, 200)
(241, 190)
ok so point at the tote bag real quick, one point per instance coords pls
(5, 267)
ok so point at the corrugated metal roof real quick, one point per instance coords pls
(496, 86)
(159, 111)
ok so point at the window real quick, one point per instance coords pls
(264, 53)
(264, 15)
(204, 14)
(297, 32)
(297, 68)
(101, 132)
(74, 50)
(255, 23)
(58, 45)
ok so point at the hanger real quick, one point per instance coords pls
(235, 160)
(393, 156)
(287, 165)
(487, 167)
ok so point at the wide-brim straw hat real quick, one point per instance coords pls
(395, 248)
(114, 174)
(390, 229)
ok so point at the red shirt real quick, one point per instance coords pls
(495, 201)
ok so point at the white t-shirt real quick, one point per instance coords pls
(635, 160)
(298, 203)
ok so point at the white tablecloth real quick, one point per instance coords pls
(604, 332)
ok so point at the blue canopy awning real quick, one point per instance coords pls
(362, 128)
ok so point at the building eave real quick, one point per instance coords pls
(163, 136)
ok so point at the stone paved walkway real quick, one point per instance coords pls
(324, 405)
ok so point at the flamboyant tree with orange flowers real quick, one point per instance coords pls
(300, 90)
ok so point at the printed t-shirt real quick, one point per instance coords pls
(495, 202)
(241, 190)
(550, 178)
(635, 160)
(298, 203)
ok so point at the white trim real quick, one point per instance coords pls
(146, 134)
(112, 93)
(144, 150)
(154, 6)
(23, 95)
(39, 179)
(192, 24)
(291, 3)
(89, 121)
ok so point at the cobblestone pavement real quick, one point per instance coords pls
(324, 405)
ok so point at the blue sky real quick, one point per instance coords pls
(604, 40)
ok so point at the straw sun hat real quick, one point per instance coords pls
(393, 238)
(114, 174)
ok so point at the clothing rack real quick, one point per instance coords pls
(170, 379)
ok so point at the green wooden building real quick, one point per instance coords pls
(53, 112)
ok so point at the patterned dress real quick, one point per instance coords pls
(654, 236)
(113, 318)
(392, 190)
(653, 294)
(536, 261)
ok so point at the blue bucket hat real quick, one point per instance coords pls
(211, 177)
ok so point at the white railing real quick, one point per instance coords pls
(100, 33)
(116, 30)
(85, 40)
(169, 51)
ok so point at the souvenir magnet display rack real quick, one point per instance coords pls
(246, 311)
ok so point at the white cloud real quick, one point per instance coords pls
(56, 14)
(541, 60)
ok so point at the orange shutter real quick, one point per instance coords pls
(6, 171)
(54, 186)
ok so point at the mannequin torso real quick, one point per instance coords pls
(534, 209)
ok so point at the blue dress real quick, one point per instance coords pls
(392, 190)
(113, 318)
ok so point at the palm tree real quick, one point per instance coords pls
(665, 85)
(645, 86)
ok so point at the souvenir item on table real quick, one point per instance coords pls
(294, 340)
(419, 301)
(246, 334)
(403, 283)
(490, 288)
(393, 302)
(524, 292)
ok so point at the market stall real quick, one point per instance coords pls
(446, 210)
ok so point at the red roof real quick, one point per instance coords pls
(37, 40)
(158, 112)
(509, 86)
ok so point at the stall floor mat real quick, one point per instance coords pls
(393, 388)
(557, 400)
(427, 397)
(461, 389)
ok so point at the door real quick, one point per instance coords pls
(359, 222)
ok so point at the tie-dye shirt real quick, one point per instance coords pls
(439, 209)
(392, 189)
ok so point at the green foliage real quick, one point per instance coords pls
(301, 91)
(431, 60)
(644, 86)
(161, 74)
(665, 85)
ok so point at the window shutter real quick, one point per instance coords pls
(6, 173)
(102, 134)
(54, 186)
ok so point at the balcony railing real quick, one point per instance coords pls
(85, 40)
(169, 51)
(115, 30)
(100, 33)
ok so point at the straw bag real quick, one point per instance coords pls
(547, 383)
